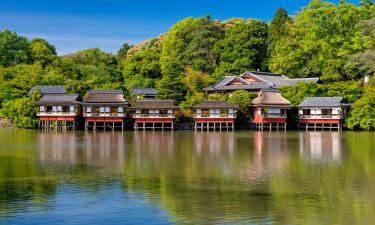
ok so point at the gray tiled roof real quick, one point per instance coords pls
(214, 104)
(267, 81)
(59, 99)
(323, 102)
(279, 80)
(105, 97)
(143, 91)
(48, 89)
(154, 104)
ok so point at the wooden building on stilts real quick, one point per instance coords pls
(154, 114)
(104, 109)
(59, 111)
(270, 110)
(322, 113)
(214, 115)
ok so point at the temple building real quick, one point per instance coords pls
(270, 110)
(154, 114)
(144, 93)
(255, 82)
(104, 109)
(322, 112)
(59, 111)
(215, 115)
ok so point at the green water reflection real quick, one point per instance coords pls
(240, 177)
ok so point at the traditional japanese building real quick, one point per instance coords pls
(212, 114)
(254, 82)
(59, 111)
(104, 109)
(154, 114)
(144, 93)
(322, 112)
(270, 110)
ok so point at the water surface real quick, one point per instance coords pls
(186, 177)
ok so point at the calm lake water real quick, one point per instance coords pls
(186, 177)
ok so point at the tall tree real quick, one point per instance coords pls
(188, 43)
(320, 41)
(13, 49)
(142, 68)
(244, 47)
(41, 51)
(277, 29)
(122, 52)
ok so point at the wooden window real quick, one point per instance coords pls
(326, 111)
(307, 112)
(88, 109)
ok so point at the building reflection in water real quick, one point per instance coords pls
(270, 154)
(98, 149)
(320, 146)
(216, 143)
(152, 145)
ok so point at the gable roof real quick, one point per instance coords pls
(59, 99)
(105, 97)
(270, 98)
(154, 104)
(144, 91)
(279, 80)
(214, 104)
(323, 102)
(222, 85)
(266, 81)
(48, 89)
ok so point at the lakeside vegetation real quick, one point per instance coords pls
(335, 42)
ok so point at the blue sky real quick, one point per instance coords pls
(72, 25)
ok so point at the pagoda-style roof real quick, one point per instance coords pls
(105, 98)
(214, 104)
(271, 98)
(323, 102)
(48, 89)
(255, 81)
(59, 99)
(144, 91)
(154, 104)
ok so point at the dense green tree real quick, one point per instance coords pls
(142, 68)
(320, 41)
(41, 51)
(362, 114)
(190, 42)
(122, 52)
(22, 111)
(295, 94)
(243, 48)
(13, 49)
(195, 81)
(363, 63)
(242, 99)
(277, 29)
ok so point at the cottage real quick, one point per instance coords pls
(255, 82)
(59, 110)
(144, 93)
(212, 114)
(154, 114)
(270, 110)
(104, 109)
(48, 89)
(322, 112)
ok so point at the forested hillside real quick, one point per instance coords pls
(333, 42)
